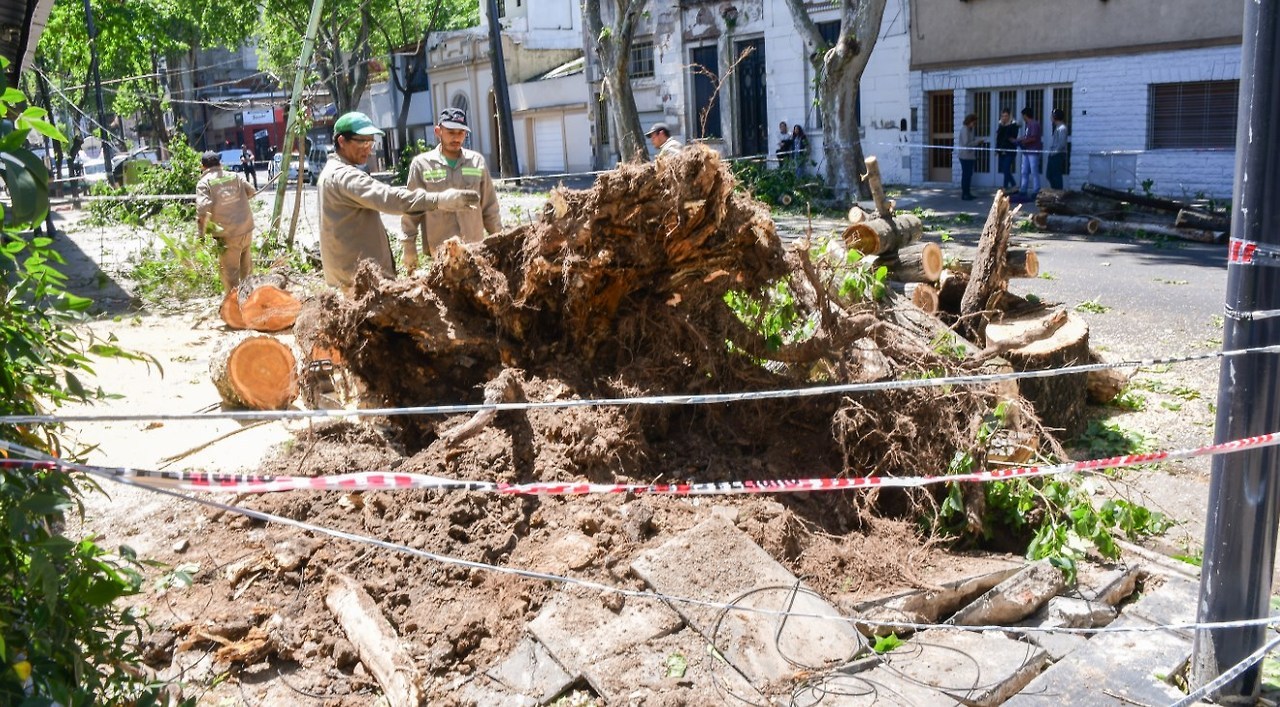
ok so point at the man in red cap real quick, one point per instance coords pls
(351, 228)
(449, 166)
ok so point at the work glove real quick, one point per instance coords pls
(410, 255)
(457, 199)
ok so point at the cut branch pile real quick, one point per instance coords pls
(1096, 209)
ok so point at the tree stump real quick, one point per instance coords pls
(1058, 400)
(989, 278)
(256, 372)
(1082, 225)
(265, 304)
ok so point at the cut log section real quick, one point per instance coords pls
(1019, 262)
(951, 286)
(229, 311)
(884, 207)
(1058, 400)
(922, 295)
(256, 372)
(989, 278)
(857, 215)
(1188, 218)
(265, 305)
(879, 236)
(1155, 229)
(918, 263)
(1081, 225)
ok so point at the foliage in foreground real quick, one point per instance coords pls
(62, 639)
(781, 186)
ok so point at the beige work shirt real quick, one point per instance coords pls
(431, 172)
(350, 228)
(224, 199)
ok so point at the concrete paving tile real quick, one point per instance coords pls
(1015, 598)
(531, 670)
(714, 561)
(1111, 669)
(976, 668)
(1173, 601)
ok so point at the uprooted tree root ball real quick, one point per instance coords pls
(620, 290)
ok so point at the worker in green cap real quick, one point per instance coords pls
(351, 228)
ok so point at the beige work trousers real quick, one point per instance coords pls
(235, 261)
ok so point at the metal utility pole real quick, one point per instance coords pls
(304, 62)
(97, 88)
(508, 164)
(1244, 492)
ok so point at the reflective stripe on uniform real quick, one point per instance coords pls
(472, 172)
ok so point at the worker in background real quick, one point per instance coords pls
(351, 228)
(449, 166)
(223, 213)
(660, 137)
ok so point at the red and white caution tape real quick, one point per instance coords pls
(392, 481)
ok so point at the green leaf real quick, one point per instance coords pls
(676, 665)
(884, 644)
(12, 96)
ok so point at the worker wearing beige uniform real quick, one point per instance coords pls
(351, 228)
(222, 211)
(449, 166)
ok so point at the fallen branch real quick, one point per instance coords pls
(505, 388)
(167, 461)
(375, 640)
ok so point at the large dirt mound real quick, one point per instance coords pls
(620, 290)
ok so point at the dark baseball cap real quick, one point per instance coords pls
(656, 127)
(453, 119)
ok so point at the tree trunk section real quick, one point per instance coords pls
(1156, 229)
(376, 641)
(921, 295)
(951, 287)
(1200, 220)
(1081, 225)
(1105, 385)
(918, 263)
(229, 311)
(256, 372)
(1058, 400)
(264, 303)
(1073, 203)
(884, 209)
(1151, 202)
(879, 236)
(1019, 262)
(988, 280)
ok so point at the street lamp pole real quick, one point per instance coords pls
(1244, 492)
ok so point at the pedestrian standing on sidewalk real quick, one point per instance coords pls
(1056, 165)
(1032, 145)
(1007, 149)
(351, 201)
(248, 166)
(223, 213)
(449, 166)
(967, 142)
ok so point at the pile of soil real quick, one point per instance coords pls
(619, 290)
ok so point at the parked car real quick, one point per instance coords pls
(146, 155)
(231, 160)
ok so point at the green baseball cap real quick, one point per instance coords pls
(357, 123)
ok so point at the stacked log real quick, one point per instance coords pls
(1096, 209)
(261, 303)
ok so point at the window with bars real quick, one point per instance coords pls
(641, 60)
(1198, 114)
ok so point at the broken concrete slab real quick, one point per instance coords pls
(531, 670)
(1109, 586)
(650, 673)
(937, 667)
(716, 562)
(1057, 645)
(928, 605)
(1167, 599)
(581, 632)
(973, 668)
(1071, 612)
(480, 689)
(1015, 598)
(1113, 669)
